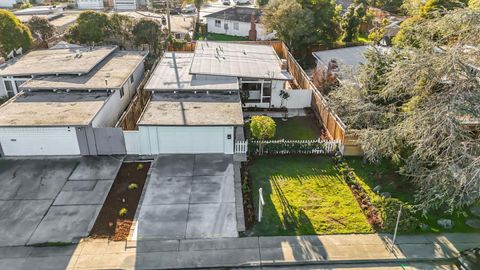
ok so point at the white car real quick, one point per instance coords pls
(241, 2)
(226, 2)
(189, 9)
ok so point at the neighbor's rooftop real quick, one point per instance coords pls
(241, 14)
(237, 60)
(52, 109)
(193, 110)
(116, 69)
(58, 61)
(351, 57)
(172, 73)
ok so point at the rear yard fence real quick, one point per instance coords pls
(288, 147)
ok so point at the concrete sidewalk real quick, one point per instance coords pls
(256, 252)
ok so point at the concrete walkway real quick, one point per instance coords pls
(256, 252)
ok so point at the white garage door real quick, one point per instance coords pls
(39, 141)
(187, 140)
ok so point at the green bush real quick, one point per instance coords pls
(388, 208)
(13, 33)
(139, 167)
(122, 212)
(132, 186)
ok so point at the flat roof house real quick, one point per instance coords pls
(66, 101)
(195, 105)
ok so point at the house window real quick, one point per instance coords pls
(236, 26)
(122, 93)
(9, 87)
(218, 23)
(132, 79)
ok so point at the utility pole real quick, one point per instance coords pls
(168, 18)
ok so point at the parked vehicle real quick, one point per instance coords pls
(226, 2)
(175, 11)
(242, 2)
(189, 9)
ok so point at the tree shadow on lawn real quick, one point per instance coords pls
(290, 221)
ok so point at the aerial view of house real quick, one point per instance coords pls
(227, 134)
(60, 96)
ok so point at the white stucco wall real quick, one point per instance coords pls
(243, 29)
(39, 141)
(115, 106)
(90, 4)
(298, 99)
(3, 91)
(180, 139)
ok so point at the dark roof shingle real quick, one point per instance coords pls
(242, 14)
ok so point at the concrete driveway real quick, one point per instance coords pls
(52, 199)
(188, 196)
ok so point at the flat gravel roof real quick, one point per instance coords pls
(172, 73)
(116, 69)
(237, 60)
(199, 110)
(51, 109)
(57, 61)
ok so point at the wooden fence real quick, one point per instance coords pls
(129, 118)
(334, 127)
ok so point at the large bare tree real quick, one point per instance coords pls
(420, 106)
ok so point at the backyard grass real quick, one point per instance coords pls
(221, 37)
(385, 175)
(298, 128)
(304, 195)
(295, 128)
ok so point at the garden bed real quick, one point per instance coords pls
(384, 176)
(248, 209)
(125, 194)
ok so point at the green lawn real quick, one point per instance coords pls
(295, 128)
(384, 174)
(298, 128)
(304, 195)
(221, 37)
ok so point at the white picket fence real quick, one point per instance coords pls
(328, 147)
(241, 147)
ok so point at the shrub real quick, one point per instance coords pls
(388, 208)
(13, 33)
(132, 186)
(139, 167)
(123, 212)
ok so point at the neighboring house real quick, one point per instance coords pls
(8, 3)
(331, 62)
(56, 16)
(181, 26)
(90, 4)
(115, 4)
(195, 105)
(67, 100)
(238, 21)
